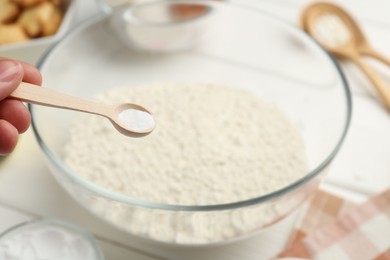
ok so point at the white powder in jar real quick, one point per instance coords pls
(212, 144)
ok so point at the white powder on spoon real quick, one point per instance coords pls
(213, 145)
(332, 31)
(136, 120)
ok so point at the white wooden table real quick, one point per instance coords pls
(362, 168)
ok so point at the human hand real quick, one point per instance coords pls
(14, 116)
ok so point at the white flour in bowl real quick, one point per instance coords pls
(211, 145)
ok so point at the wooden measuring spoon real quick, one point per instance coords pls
(337, 32)
(129, 119)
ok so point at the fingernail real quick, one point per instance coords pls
(9, 70)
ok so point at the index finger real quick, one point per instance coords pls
(31, 74)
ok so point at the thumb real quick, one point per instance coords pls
(11, 74)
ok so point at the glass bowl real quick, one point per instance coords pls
(219, 43)
(48, 239)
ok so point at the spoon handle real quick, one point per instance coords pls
(367, 50)
(382, 88)
(43, 96)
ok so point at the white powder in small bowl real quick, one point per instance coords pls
(47, 240)
(212, 145)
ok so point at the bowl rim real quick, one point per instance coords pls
(111, 195)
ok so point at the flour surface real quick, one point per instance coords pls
(212, 144)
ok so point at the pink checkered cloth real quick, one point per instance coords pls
(332, 228)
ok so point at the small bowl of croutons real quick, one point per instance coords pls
(28, 27)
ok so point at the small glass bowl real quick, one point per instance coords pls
(238, 46)
(46, 239)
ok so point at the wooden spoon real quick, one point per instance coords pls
(129, 119)
(335, 29)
